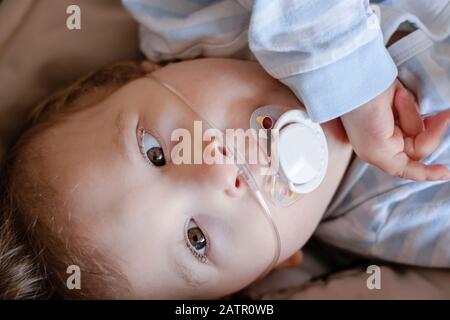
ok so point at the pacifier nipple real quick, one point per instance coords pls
(266, 122)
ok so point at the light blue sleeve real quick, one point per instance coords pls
(186, 29)
(329, 52)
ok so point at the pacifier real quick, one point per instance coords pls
(297, 149)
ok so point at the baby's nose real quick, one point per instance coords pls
(222, 173)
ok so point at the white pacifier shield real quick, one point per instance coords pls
(303, 151)
(297, 162)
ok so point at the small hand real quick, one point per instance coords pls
(389, 133)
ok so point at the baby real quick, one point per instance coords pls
(91, 183)
(140, 226)
(85, 190)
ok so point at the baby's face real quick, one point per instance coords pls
(178, 231)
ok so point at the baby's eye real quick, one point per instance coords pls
(152, 150)
(196, 240)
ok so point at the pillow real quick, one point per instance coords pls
(39, 54)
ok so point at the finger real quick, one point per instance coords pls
(426, 142)
(414, 170)
(392, 146)
(407, 111)
(402, 166)
(385, 151)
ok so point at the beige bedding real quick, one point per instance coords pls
(38, 54)
(396, 283)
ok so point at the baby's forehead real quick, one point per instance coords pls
(64, 147)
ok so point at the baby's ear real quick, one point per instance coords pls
(149, 66)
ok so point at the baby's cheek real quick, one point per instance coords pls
(335, 132)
